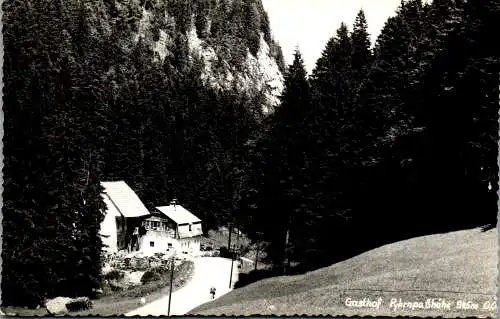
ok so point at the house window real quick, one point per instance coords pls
(151, 244)
(155, 225)
(189, 227)
(169, 245)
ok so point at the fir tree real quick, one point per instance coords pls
(283, 181)
(361, 53)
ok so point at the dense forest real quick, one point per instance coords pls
(88, 97)
(381, 144)
(378, 144)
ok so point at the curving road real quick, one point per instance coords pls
(208, 272)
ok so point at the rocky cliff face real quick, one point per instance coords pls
(231, 39)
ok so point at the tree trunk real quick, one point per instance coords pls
(285, 259)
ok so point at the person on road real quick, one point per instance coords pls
(212, 292)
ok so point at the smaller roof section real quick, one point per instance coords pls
(123, 199)
(178, 214)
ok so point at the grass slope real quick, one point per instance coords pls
(453, 266)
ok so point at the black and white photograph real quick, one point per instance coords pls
(250, 157)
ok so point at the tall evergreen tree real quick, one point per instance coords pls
(282, 181)
(62, 145)
(361, 53)
(22, 112)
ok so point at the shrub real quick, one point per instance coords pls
(244, 249)
(150, 276)
(154, 274)
(183, 271)
(116, 286)
(78, 304)
(114, 274)
(224, 252)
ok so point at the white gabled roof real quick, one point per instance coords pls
(112, 210)
(178, 214)
(122, 200)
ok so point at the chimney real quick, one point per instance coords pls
(173, 202)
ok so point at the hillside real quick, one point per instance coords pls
(464, 262)
(232, 39)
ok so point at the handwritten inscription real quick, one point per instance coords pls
(398, 304)
(364, 303)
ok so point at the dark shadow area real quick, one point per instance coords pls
(488, 227)
(255, 275)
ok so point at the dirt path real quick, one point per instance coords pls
(208, 272)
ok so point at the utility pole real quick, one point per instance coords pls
(287, 238)
(229, 240)
(259, 238)
(286, 250)
(256, 257)
(237, 237)
(233, 252)
(232, 262)
(234, 221)
(171, 282)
